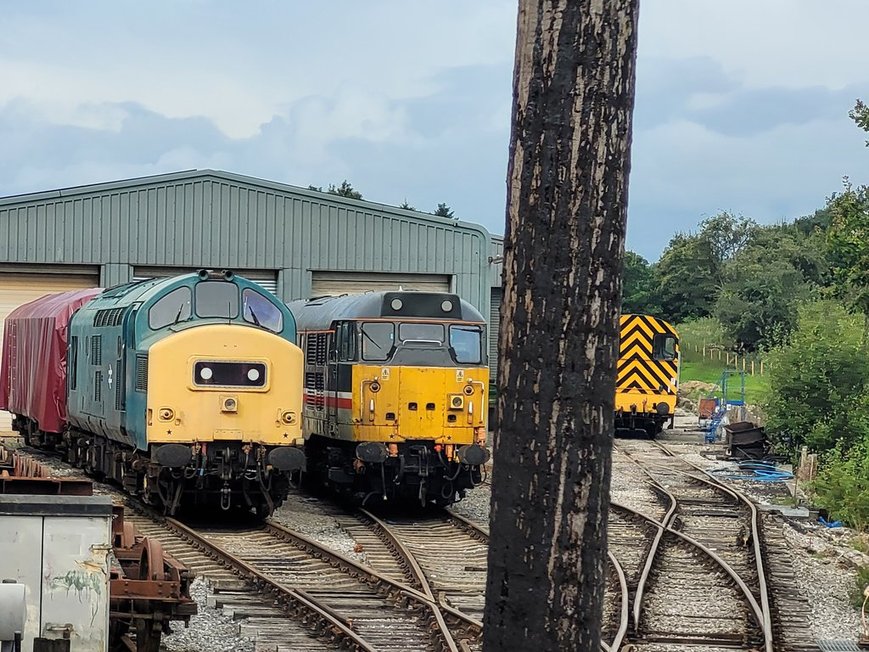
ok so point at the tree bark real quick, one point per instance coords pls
(573, 95)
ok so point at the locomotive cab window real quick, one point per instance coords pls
(259, 311)
(664, 347)
(467, 343)
(377, 340)
(217, 299)
(347, 336)
(415, 332)
(170, 309)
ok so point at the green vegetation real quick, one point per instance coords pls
(796, 296)
(861, 581)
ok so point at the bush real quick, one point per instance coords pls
(842, 485)
(817, 380)
(861, 581)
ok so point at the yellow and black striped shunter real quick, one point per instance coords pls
(395, 394)
(647, 381)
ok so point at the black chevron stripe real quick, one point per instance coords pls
(649, 372)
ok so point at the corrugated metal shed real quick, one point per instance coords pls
(208, 218)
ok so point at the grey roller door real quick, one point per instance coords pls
(266, 278)
(494, 334)
(331, 283)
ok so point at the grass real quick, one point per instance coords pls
(709, 371)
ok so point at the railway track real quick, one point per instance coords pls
(685, 571)
(336, 599)
(704, 581)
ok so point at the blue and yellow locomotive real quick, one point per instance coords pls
(187, 390)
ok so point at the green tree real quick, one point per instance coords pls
(762, 285)
(860, 115)
(344, 190)
(316, 188)
(444, 211)
(691, 271)
(817, 379)
(848, 248)
(406, 206)
(687, 278)
(727, 235)
(639, 286)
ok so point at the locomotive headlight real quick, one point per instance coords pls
(228, 404)
(253, 375)
(457, 402)
(166, 414)
(468, 390)
(288, 417)
(205, 373)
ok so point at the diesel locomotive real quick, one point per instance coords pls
(186, 390)
(395, 394)
(647, 380)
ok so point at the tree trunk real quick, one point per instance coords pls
(564, 243)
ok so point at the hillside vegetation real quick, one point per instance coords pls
(795, 296)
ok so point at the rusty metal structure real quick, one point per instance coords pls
(134, 588)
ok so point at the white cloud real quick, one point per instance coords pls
(793, 43)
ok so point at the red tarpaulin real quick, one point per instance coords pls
(33, 369)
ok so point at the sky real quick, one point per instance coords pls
(741, 105)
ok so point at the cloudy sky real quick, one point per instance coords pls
(741, 105)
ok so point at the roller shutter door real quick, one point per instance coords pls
(494, 333)
(266, 278)
(331, 283)
(17, 289)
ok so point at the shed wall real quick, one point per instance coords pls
(216, 219)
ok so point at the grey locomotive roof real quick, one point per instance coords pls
(320, 312)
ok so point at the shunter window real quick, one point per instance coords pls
(421, 332)
(171, 309)
(258, 310)
(664, 347)
(377, 340)
(467, 342)
(217, 299)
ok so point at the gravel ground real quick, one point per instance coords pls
(210, 630)
(316, 519)
(475, 505)
(826, 578)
